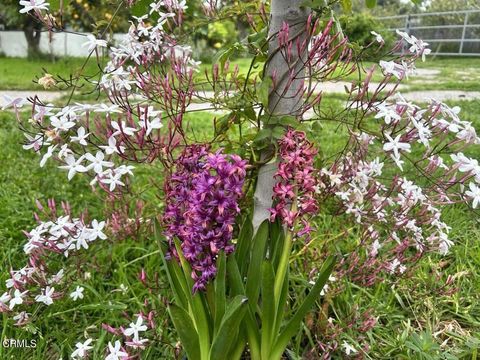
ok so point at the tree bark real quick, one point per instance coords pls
(32, 32)
(285, 98)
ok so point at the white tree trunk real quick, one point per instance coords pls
(286, 97)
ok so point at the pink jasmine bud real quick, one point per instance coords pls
(215, 72)
(142, 276)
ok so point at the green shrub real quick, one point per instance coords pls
(358, 27)
(222, 33)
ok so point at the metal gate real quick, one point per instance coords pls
(448, 33)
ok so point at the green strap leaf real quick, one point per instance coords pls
(234, 277)
(220, 294)
(229, 328)
(277, 239)
(294, 323)
(282, 304)
(371, 3)
(268, 307)
(197, 305)
(237, 288)
(258, 251)
(174, 274)
(186, 331)
(244, 243)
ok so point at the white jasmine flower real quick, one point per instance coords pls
(474, 194)
(391, 68)
(112, 178)
(17, 299)
(62, 123)
(64, 152)
(114, 351)
(77, 294)
(73, 166)
(108, 109)
(378, 37)
(96, 230)
(395, 145)
(47, 155)
(348, 349)
(36, 142)
(13, 102)
(466, 164)
(150, 125)
(46, 297)
(82, 349)
(135, 328)
(97, 162)
(112, 146)
(122, 128)
(81, 137)
(29, 5)
(5, 298)
(92, 42)
(388, 113)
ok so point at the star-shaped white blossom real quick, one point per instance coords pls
(47, 155)
(388, 113)
(97, 162)
(96, 230)
(112, 178)
(474, 194)
(122, 128)
(77, 294)
(114, 351)
(9, 101)
(62, 123)
(348, 349)
(395, 145)
(378, 37)
(81, 136)
(135, 328)
(112, 146)
(73, 166)
(82, 349)
(92, 43)
(150, 125)
(29, 5)
(46, 296)
(17, 298)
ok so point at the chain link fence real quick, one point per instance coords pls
(453, 33)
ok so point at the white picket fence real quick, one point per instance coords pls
(453, 33)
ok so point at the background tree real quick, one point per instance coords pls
(79, 15)
(13, 20)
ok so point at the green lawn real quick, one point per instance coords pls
(454, 74)
(415, 314)
(19, 73)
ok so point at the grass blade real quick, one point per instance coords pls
(294, 324)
